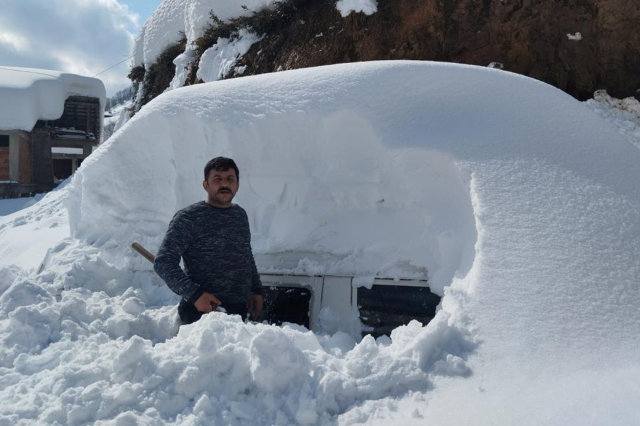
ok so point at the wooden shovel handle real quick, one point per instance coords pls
(144, 252)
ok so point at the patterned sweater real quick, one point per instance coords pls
(215, 244)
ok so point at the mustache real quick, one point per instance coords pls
(224, 190)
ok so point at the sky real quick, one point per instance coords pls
(80, 36)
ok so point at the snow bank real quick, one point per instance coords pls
(28, 95)
(189, 16)
(368, 7)
(513, 195)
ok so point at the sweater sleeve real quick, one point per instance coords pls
(256, 284)
(167, 264)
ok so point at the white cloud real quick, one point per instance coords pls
(14, 41)
(79, 36)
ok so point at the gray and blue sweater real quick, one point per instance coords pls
(215, 244)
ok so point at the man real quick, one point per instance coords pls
(214, 240)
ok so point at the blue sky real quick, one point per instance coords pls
(144, 8)
(77, 36)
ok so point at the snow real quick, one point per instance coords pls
(623, 114)
(28, 95)
(345, 7)
(70, 151)
(119, 116)
(221, 58)
(183, 65)
(188, 16)
(574, 37)
(12, 205)
(520, 204)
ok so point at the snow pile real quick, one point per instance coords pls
(188, 16)
(219, 59)
(368, 7)
(624, 114)
(510, 193)
(28, 95)
(360, 213)
(220, 371)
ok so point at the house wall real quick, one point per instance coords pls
(4, 160)
(81, 113)
(15, 160)
(42, 161)
(25, 163)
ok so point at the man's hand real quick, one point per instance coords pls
(255, 306)
(207, 303)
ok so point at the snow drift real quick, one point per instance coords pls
(518, 202)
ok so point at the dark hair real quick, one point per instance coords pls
(222, 164)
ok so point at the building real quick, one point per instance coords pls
(49, 123)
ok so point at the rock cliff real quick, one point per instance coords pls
(578, 46)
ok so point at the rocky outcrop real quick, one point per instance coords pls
(536, 38)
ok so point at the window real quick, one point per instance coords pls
(287, 304)
(385, 307)
(4, 141)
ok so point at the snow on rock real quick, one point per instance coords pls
(219, 59)
(624, 114)
(574, 37)
(519, 203)
(368, 7)
(183, 65)
(188, 16)
(28, 95)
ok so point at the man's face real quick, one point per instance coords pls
(221, 187)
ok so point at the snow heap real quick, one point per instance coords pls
(520, 202)
(28, 95)
(368, 7)
(188, 16)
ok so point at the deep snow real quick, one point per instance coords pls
(519, 202)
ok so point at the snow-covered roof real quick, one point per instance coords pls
(28, 95)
